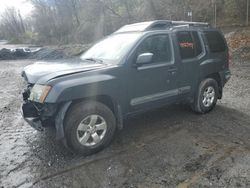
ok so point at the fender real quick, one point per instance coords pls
(79, 87)
(59, 120)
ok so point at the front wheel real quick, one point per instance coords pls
(89, 127)
(206, 96)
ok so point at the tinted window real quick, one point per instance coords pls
(215, 41)
(189, 44)
(198, 48)
(159, 45)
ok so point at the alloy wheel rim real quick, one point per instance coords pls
(91, 130)
(208, 96)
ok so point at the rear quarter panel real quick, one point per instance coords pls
(214, 62)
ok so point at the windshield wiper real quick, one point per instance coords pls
(94, 60)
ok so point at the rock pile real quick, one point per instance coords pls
(30, 53)
(239, 43)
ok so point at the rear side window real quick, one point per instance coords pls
(216, 43)
(189, 44)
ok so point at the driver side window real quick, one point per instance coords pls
(159, 46)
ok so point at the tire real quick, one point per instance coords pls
(83, 123)
(202, 103)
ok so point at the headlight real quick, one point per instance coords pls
(39, 93)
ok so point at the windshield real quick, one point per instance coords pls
(112, 48)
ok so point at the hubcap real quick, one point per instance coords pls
(91, 130)
(208, 96)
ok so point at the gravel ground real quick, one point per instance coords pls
(169, 147)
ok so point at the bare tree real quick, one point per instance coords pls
(74, 21)
(12, 23)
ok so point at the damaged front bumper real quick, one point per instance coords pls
(37, 114)
(30, 115)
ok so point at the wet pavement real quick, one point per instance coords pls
(169, 147)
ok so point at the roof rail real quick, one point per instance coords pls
(164, 24)
(159, 24)
(195, 24)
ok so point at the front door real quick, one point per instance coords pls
(155, 83)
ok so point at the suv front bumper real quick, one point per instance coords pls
(30, 115)
(36, 114)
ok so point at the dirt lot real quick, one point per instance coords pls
(170, 147)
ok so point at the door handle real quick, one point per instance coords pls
(172, 70)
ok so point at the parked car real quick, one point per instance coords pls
(140, 67)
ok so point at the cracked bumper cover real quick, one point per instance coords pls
(30, 115)
(34, 116)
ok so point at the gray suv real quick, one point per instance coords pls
(140, 67)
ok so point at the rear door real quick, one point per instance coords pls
(191, 53)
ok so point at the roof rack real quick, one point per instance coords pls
(159, 25)
(194, 24)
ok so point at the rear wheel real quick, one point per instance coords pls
(89, 127)
(206, 96)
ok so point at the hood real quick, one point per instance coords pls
(52, 69)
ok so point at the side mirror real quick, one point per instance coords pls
(144, 58)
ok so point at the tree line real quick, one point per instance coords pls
(84, 21)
